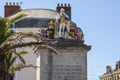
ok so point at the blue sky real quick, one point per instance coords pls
(100, 22)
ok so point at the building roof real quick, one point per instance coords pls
(35, 18)
(37, 13)
(40, 13)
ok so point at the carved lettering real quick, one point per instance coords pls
(66, 72)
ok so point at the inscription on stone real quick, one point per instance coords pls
(64, 72)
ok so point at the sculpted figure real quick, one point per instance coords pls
(79, 34)
(50, 30)
(51, 24)
(62, 18)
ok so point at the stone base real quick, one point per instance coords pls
(69, 64)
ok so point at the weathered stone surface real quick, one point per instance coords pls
(69, 64)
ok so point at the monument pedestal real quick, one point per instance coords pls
(69, 64)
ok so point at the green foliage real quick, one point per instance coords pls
(9, 60)
(15, 19)
(9, 41)
(23, 52)
(3, 27)
(5, 23)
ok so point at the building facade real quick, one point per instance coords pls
(112, 74)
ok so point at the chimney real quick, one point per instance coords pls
(65, 6)
(118, 65)
(11, 8)
(108, 69)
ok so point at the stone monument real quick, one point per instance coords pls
(52, 25)
(69, 64)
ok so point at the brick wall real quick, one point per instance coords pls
(11, 8)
